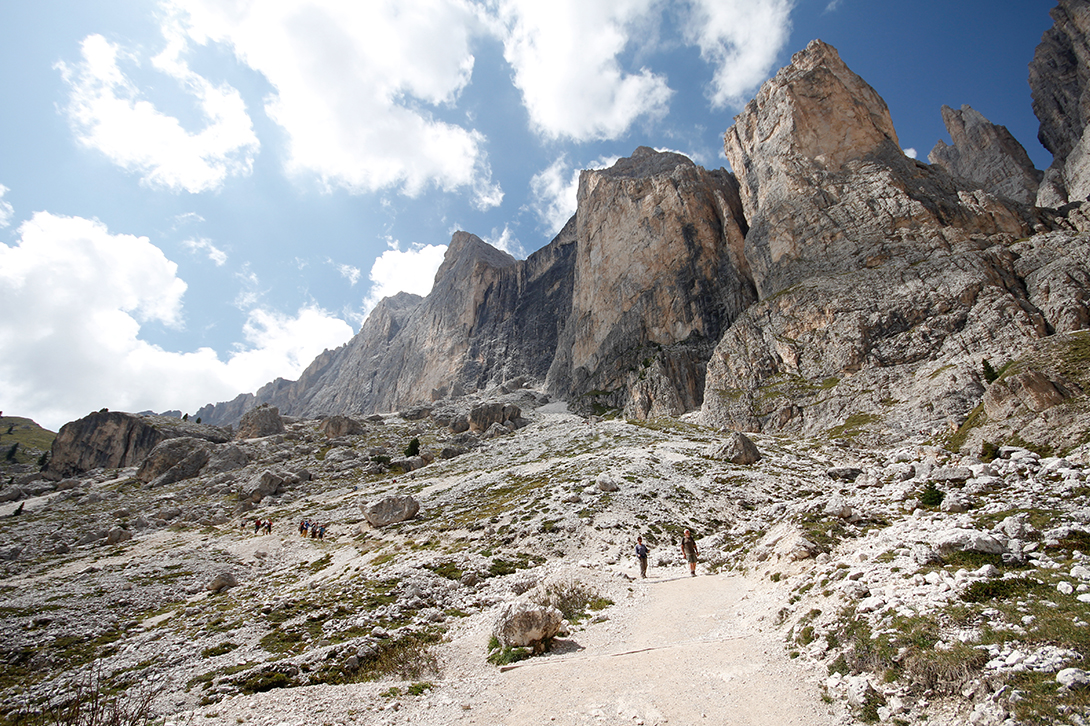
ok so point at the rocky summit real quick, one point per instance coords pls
(860, 380)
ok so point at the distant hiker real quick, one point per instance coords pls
(688, 548)
(321, 532)
(257, 526)
(641, 555)
(268, 526)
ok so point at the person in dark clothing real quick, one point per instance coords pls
(688, 548)
(641, 555)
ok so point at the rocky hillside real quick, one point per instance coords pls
(829, 283)
(920, 584)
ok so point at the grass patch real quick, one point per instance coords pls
(852, 426)
(215, 650)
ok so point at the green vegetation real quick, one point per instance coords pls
(852, 426)
(505, 655)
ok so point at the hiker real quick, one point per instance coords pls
(268, 526)
(688, 548)
(321, 532)
(257, 526)
(641, 555)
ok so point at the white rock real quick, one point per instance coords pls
(1073, 678)
(1066, 588)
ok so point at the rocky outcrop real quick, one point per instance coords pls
(659, 275)
(174, 460)
(826, 188)
(112, 439)
(263, 420)
(883, 280)
(1059, 80)
(987, 154)
(522, 624)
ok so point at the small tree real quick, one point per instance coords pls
(989, 373)
(413, 449)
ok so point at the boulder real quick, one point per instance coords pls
(737, 449)
(967, 540)
(1027, 392)
(1073, 678)
(222, 581)
(11, 552)
(336, 426)
(114, 440)
(174, 460)
(606, 483)
(225, 458)
(390, 510)
(483, 416)
(262, 485)
(261, 421)
(948, 474)
(844, 473)
(118, 535)
(524, 624)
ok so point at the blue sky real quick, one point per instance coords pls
(202, 195)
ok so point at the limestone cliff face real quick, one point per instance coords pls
(826, 188)
(659, 275)
(884, 281)
(987, 154)
(1059, 79)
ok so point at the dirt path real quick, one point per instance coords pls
(696, 651)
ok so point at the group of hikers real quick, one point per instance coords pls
(312, 529)
(688, 550)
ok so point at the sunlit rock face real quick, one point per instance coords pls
(1059, 80)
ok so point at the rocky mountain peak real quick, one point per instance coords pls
(987, 154)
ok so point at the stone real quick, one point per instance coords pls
(260, 422)
(337, 425)
(114, 440)
(967, 540)
(118, 535)
(953, 504)
(174, 460)
(737, 449)
(11, 552)
(986, 154)
(225, 458)
(838, 507)
(1030, 391)
(482, 417)
(949, 474)
(259, 486)
(222, 581)
(606, 483)
(844, 473)
(524, 624)
(1073, 678)
(390, 510)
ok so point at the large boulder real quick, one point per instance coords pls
(225, 458)
(987, 154)
(174, 460)
(337, 426)
(483, 416)
(390, 510)
(112, 439)
(967, 540)
(737, 449)
(527, 625)
(265, 484)
(261, 421)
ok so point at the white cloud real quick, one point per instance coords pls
(505, 240)
(833, 5)
(348, 272)
(555, 190)
(355, 85)
(910, 152)
(742, 39)
(6, 210)
(107, 114)
(218, 256)
(565, 57)
(396, 270)
(76, 297)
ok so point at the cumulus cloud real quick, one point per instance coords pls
(742, 39)
(910, 152)
(6, 210)
(565, 57)
(555, 189)
(76, 298)
(108, 114)
(357, 86)
(396, 270)
(202, 244)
